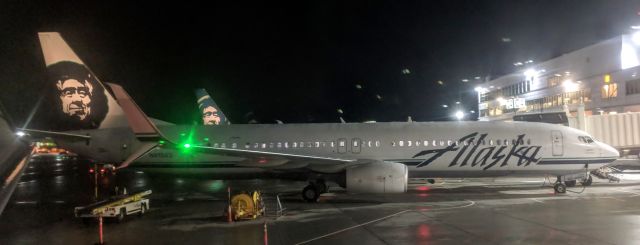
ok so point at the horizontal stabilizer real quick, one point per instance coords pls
(140, 152)
(53, 134)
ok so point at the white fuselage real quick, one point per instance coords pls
(430, 149)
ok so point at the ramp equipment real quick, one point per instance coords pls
(247, 206)
(116, 207)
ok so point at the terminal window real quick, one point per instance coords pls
(633, 87)
(609, 91)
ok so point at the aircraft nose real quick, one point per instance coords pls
(608, 151)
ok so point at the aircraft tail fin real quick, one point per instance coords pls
(210, 111)
(140, 124)
(75, 99)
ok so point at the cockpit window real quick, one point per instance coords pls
(585, 139)
(588, 139)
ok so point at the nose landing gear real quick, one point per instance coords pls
(587, 181)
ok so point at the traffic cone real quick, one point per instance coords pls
(266, 236)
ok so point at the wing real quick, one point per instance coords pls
(276, 160)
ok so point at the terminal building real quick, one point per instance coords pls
(596, 89)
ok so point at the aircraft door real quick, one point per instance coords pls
(355, 145)
(556, 142)
(342, 145)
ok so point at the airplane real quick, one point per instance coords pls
(103, 122)
(14, 155)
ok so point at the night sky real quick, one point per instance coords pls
(300, 61)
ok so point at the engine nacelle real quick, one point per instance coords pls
(377, 177)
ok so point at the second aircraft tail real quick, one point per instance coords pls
(210, 111)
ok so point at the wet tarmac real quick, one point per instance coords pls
(187, 209)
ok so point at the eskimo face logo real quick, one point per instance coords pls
(469, 152)
(210, 116)
(75, 97)
(80, 100)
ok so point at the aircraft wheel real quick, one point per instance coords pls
(121, 215)
(321, 185)
(143, 209)
(570, 183)
(560, 188)
(310, 193)
(587, 181)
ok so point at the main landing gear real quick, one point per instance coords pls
(587, 181)
(312, 192)
(561, 186)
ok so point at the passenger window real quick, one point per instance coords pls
(279, 145)
(255, 145)
(317, 144)
(417, 143)
(442, 143)
(294, 144)
(393, 143)
(426, 143)
(215, 145)
(271, 144)
(286, 144)
(247, 145)
(263, 145)
(377, 143)
(369, 143)
(498, 142)
(234, 145)
(409, 143)
(333, 144)
(528, 142)
(448, 142)
(490, 142)
(506, 142)
(401, 143)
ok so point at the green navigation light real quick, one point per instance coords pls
(187, 145)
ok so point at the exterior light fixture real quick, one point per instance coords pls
(459, 115)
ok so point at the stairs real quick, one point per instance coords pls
(606, 173)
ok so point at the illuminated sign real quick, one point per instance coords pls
(516, 103)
